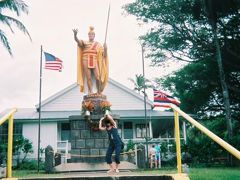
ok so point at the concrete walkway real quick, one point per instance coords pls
(71, 167)
(112, 176)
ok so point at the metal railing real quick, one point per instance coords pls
(9, 117)
(63, 146)
(214, 137)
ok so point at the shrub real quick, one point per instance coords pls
(31, 165)
(202, 148)
(130, 145)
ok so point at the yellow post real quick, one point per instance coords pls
(178, 145)
(10, 147)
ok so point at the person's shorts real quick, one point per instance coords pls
(153, 157)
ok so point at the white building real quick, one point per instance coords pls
(56, 110)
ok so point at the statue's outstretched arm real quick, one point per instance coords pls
(80, 42)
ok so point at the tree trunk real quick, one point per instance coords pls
(225, 92)
(208, 4)
(224, 86)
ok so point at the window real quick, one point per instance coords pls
(141, 130)
(17, 131)
(65, 131)
(128, 130)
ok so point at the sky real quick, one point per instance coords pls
(50, 24)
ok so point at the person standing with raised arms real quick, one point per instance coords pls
(115, 142)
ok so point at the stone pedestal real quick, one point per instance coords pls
(96, 99)
(85, 141)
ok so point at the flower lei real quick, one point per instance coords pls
(93, 125)
(105, 105)
(87, 106)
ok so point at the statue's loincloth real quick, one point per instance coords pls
(91, 58)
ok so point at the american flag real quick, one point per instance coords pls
(163, 100)
(52, 62)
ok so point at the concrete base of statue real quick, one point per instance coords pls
(88, 143)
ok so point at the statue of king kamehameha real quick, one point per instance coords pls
(92, 61)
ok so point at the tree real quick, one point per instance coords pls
(204, 34)
(22, 145)
(215, 10)
(178, 35)
(18, 7)
(199, 89)
(139, 83)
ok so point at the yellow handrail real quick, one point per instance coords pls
(214, 137)
(6, 117)
(9, 117)
(178, 145)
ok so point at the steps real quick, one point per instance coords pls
(86, 167)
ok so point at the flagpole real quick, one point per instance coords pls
(39, 111)
(145, 104)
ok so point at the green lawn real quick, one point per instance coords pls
(214, 174)
(32, 173)
(194, 174)
(220, 173)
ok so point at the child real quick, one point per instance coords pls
(115, 141)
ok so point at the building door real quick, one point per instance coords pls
(65, 131)
(128, 130)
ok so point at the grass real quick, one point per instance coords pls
(32, 173)
(220, 173)
(214, 173)
(157, 171)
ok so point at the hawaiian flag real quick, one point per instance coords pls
(163, 100)
(52, 62)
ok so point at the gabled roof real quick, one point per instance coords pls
(54, 96)
(30, 114)
(67, 102)
(124, 92)
(130, 91)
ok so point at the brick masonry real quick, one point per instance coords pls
(87, 142)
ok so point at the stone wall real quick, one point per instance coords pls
(87, 142)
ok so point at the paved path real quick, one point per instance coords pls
(111, 176)
(67, 167)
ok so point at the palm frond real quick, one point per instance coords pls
(17, 23)
(2, 20)
(5, 42)
(17, 6)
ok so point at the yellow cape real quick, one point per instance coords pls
(102, 63)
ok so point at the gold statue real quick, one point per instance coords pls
(92, 60)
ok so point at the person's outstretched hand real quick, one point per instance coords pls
(75, 31)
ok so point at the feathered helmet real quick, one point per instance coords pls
(91, 29)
